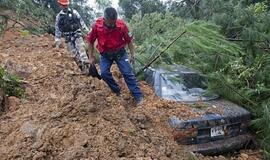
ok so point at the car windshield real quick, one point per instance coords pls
(180, 85)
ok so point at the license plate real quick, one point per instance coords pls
(217, 131)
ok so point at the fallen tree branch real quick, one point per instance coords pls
(242, 40)
(152, 55)
(162, 52)
(234, 90)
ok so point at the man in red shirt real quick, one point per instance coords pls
(112, 36)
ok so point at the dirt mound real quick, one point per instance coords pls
(66, 115)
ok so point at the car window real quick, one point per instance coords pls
(180, 86)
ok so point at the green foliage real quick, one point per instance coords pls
(86, 12)
(177, 8)
(192, 156)
(263, 126)
(42, 12)
(3, 23)
(147, 33)
(229, 44)
(249, 72)
(10, 84)
(142, 7)
(102, 4)
(39, 15)
(185, 8)
(129, 7)
(151, 25)
(24, 33)
(258, 8)
(202, 43)
(251, 23)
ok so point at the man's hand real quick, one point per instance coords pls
(58, 44)
(92, 59)
(132, 53)
(91, 55)
(132, 59)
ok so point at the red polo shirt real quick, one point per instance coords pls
(109, 39)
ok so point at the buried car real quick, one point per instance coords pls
(221, 130)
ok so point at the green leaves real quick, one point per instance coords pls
(35, 15)
(41, 14)
(258, 8)
(202, 43)
(206, 37)
(132, 7)
(10, 84)
(3, 23)
(229, 44)
(262, 125)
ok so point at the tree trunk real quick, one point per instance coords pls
(194, 8)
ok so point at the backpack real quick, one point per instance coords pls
(69, 22)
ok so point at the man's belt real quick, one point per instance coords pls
(114, 55)
(72, 36)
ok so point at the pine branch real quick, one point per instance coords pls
(243, 40)
(234, 90)
(162, 52)
(151, 56)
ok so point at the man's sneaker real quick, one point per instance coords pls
(139, 102)
(118, 94)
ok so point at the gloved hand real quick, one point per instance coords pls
(57, 43)
(85, 32)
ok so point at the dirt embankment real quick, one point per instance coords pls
(66, 115)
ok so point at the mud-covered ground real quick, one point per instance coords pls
(67, 115)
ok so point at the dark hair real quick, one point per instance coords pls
(110, 13)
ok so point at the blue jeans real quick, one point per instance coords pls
(125, 69)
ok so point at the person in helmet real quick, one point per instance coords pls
(112, 36)
(70, 25)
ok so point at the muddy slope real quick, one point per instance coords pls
(66, 115)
